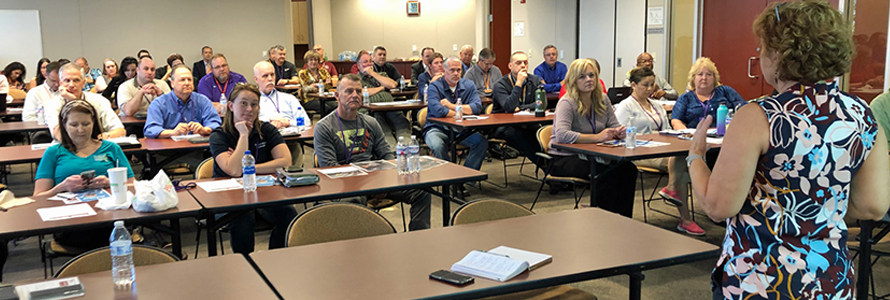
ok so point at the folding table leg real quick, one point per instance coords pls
(636, 285)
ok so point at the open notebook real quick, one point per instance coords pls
(501, 263)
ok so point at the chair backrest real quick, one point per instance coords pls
(488, 210)
(205, 169)
(17, 94)
(421, 117)
(488, 108)
(336, 221)
(544, 134)
(98, 260)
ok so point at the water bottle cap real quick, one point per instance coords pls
(413, 136)
(118, 223)
(247, 152)
(401, 138)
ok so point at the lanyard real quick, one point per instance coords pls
(185, 106)
(513, 81)
(487, 76)
(704, 106)
(659, 124)
(591, 119)
(358, 126)
(222, 91)
(276, 102)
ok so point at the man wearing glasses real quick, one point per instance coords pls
(484, 74)
(663, 89)
(551, 71)
(218, 85)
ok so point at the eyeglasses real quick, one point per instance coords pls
(779, 19)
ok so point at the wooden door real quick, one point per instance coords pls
(728, 40)
(500, 30)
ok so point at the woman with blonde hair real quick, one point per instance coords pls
(793, 165)
(704, 96)
(585, 115)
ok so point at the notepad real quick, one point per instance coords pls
(52, 289)
(347, 171)
(501, 263)
(66, 212)
(219, 185)
(185, 137)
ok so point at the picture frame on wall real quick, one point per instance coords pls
(412, 8)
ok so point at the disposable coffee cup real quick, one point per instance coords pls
(118, 179)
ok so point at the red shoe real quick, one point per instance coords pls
(691, 228)
(671, 196)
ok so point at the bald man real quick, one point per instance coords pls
(466, 58)
(282, 110)
(324, 63)
(663, 89)
(71, 88)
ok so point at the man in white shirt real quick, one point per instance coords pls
(34, 110)
(280, 109)
(71, 88)
(144, 88)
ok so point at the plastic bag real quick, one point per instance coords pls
(155, 195)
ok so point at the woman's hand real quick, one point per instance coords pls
(243, 127)
(620, 132)
(100, 182)
(699, 139)
(73, 183)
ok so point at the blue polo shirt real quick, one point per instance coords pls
(552, 76)
(167, 111)
(439, 89)
(208, 86)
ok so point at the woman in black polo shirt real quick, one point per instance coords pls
(241, 131)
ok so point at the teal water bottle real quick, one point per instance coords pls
(721, 118)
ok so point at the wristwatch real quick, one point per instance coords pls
(692, 157)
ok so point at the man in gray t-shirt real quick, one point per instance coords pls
(346, 136)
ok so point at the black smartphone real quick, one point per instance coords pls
(451, 277)
(87, 176)
(293, 169)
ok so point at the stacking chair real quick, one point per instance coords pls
(98, 260)
(544, 134)
(647, 202)
(204, 171)
(378, 205)
(490, 210)
(499, 145)
(334, 222)
(880, 247)
(17, 94)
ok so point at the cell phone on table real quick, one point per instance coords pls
(88, 176)
(293, 169)
(451, 277)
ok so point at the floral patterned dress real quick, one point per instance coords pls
(789, 240)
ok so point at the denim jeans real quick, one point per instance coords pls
(242, 227)
(437, 140)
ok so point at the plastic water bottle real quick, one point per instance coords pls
(414, 155)
(123, 271)
(366, 97)
(402, 156)
(721, 118)
(425, 90)
(402, 83)
(729, 117)
(630, 141)
(320, 88)
(223, 101)
(41, 119)
(458, 111)
(248, 172)
(301, 119)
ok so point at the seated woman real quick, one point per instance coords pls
(242, 131)
(126, 72)
(41, 76)
(15, 73)
(309, 79)
(649, 118)
(704, 96)
(584, 115)
(80, 150)
(109, 71)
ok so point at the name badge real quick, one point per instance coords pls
(261, 145)
(100, 157)
(488, 90)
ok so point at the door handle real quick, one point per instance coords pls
(749, 67)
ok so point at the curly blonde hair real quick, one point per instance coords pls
(702, 63)
(812, 40)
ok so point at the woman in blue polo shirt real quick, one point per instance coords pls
(704, 96)
(80, 150)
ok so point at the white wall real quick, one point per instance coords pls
(363, 24)
(321, 26)
(99, 29)
(547, 22)
(28, 47)
(599, 31)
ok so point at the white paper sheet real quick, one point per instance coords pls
(179, 138)
(66, 212)
(341, 172)
(220, 185)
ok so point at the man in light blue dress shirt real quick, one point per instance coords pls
(282, 110)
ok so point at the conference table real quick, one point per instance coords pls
(222, 277)
(377, 182)
(675, 147)
(21, 127)
(585, 244)
(470, 126)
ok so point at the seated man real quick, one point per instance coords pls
(663, 89)
(466, 58)
(280, 109)
(346, 136)
(880, 106)
(181, 111)
(551, 71)
(142, 89)
(90, 74)
(217, 85)
(484, 74)
(285, 71)
(71, 88)
(381, 66)
(420, 67)
(513, 93)
(35, 102)
(354, 69)
(202, 67)
(435, 72)
(442, 96)
(164, 73)
(378, 85)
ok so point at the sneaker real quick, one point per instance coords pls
(671, 196)
(691, 228)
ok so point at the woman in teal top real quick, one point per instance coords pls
(81, 150)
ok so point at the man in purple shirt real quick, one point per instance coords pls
(218, 85)
(551, 71)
